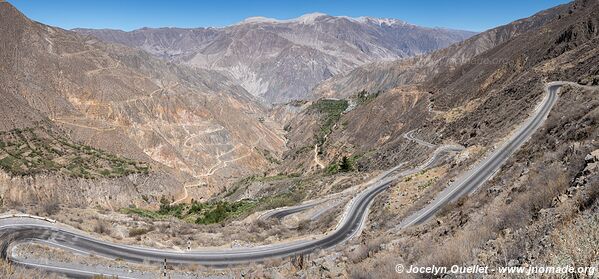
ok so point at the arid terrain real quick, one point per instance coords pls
(290, 56)
(184, 140)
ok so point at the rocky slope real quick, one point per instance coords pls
(380, 76)
(474, 102)
(540, 208)
(403, 96)
(280, 60)
(190, 124)
(375, 128)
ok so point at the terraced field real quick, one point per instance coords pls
(39, 150)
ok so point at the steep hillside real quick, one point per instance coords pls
(369, 130)
(194, 124)
(386, 75)
(73, 102)
(404, 97)
(540, 208)
(473, 102)
(280, 60)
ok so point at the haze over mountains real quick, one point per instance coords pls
(194, 124)
(385, 75)
(164, 135)
(441, 87)
(282, 60)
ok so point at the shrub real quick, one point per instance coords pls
(358, 254)
(383, 266)
(51, 207)
(39, 149)
(576, 243)
(102, 227)
(10, 271)
(332, 168)
(363, 97)
(346, 164)
(303, 225)
(224, 210)
(139, 231)
(331, 111)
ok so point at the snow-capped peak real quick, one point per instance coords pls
(259, 19)
(311, 18)
(304, 19)
(380, 21)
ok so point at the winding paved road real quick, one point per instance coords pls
(19, 230)
(283, 212)
(468, 182)
(410, 136)
(14, 231)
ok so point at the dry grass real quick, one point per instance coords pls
(367, 249)
(102, 227)
(9, 271)
(577, 243)
(544, 186)
(51, 208)
(383, 266)
(459, 239)
(136, 232)
(357, 254)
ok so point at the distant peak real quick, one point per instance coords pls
(304, 19)
(311, 18)
(258, 19)
(380, 21)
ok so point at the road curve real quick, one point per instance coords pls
(283, 212)
(410, 136)
(471, 180)
(17, 230)
(286, 211)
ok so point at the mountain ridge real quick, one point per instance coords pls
(385, 75)
(282, 60)
(189, 124)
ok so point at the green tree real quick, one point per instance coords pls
(346, 164)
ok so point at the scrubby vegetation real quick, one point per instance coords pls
(221, 211)
(576, 243)
(268, 156)
(196, 212)
(258, 178)
(135, 232)
(36, 150)
(363, 97)
(289, 198)
(346, 164)
(213, 212)
(331, 111)
(10, 271)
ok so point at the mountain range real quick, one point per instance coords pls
(269, 132)
(282, 60)
(193, 125)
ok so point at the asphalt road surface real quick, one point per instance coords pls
(283, 212)
(410, 135)
(21, 230)
(488, 166)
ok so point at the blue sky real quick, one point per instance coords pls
(475, 15)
